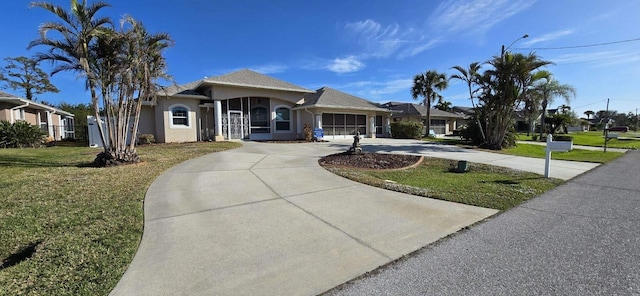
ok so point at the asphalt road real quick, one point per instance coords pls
(582, 238)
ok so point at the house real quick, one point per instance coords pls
(58, 124)
(249, 105)
(442, 122)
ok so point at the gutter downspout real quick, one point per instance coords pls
(16, 108)
(313, 118)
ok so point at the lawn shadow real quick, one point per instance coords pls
(21, 255)
(515, 181)
(37, 162)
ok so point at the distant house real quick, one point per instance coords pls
(248, 105)
(58, 124)
(442, 122)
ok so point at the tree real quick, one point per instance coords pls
(79, 29)
(589, 113)
(564, 108)
(121, 65)
(427, 85)
(470, 76)
(443, 105)
(502, 89)
(547, 89)
(23, 74)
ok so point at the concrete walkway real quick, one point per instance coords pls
(581, 238)
(266, 219)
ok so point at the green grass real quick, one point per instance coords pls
(484, 185)
(88, 220)
(629, 140)
(537, 151)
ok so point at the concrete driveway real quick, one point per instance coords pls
(267, 219)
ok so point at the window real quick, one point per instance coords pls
(283, 119)
(179, 116)
(18, 114)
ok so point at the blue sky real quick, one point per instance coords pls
(372, 49)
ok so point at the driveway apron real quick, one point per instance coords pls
(266, 219)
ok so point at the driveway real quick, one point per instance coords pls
(267, 219)
(581, 238)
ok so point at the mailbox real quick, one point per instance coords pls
(560, 146)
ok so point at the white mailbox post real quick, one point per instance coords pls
(559, 146)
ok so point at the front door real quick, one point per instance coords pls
(236, 128)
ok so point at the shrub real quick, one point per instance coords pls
(20, 134)
(564, 138)
(144, 139)
(407, 130)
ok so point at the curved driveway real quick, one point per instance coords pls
(266, 219)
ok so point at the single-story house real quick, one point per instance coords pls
(442, 122)
(249, 105)
(58, 124)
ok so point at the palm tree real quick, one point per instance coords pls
(80, 28)
(503, 88)
(426, 85)
(147, 65)
(547, 89)
(589, 113)
(470, 76)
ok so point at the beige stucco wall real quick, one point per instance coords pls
(4, 113)
(147, 123)
(178, 134)
(230, 92)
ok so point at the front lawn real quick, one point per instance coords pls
(629, 140)
(484, 185)
(84, 223)
(537, 151)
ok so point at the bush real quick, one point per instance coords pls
(20, 134)
(144, 139)
(407, 130)
(563, 138)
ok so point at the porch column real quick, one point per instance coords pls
(318, 120)
(372, 127)
(298, 123)
(217, 109)
(49, 124)
(387, 127)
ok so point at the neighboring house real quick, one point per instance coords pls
(249, 105)
(442, 122)
(465, 112)
(56, 123)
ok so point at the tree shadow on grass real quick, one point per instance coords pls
(515, 181)
(38, 162)
(21, 255)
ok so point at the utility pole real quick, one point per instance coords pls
(636, 119)
(606, 126)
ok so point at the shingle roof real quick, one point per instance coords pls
(327, 97)
(248, 78)
(7, 95)
(12, 99)
(410, 109)
(184, 89)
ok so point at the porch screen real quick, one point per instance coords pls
(335, 124)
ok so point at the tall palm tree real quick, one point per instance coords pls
(147, 64)
(547, 90)
(470, 76)
(504, 87)
(79, 27)
(427, 85)
(589, 113)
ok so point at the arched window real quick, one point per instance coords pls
(179, 116)
(283, 119)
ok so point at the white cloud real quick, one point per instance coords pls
(377, 40)
(547, 37)
(345, 65)
(269, 68)
(474, 17)
(418, 48)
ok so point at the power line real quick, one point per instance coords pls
(578, 46)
